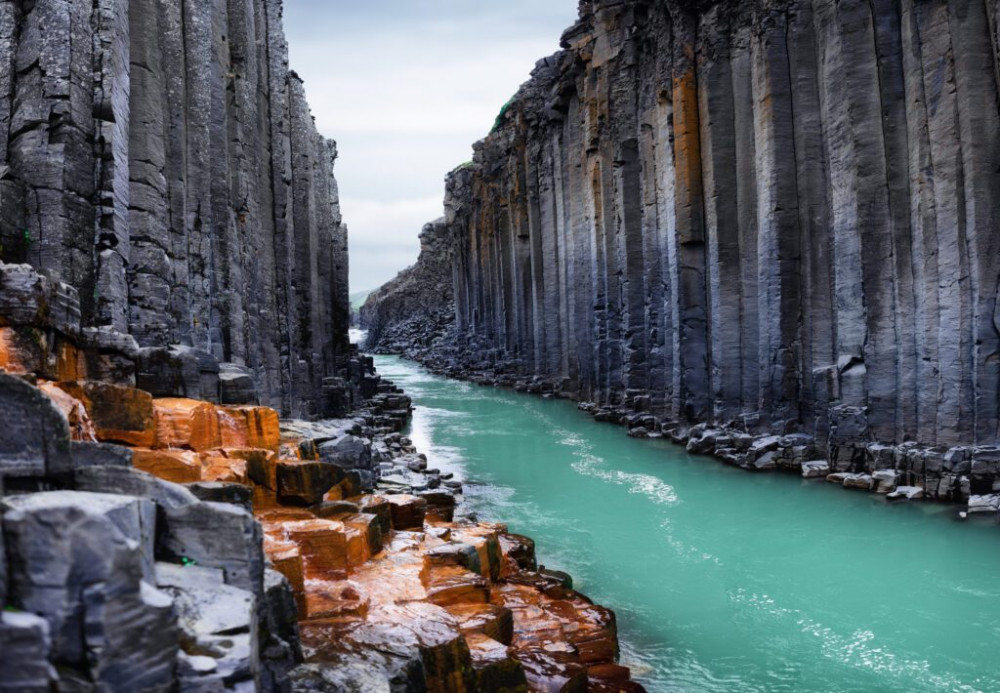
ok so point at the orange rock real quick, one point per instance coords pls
(81, 428)
(408, 512)
(187, 424)
(447, 585)
(219, 468)
(378, 506)
(120, 414)
(250, 427)
(336, 599)
(495, 669)
(368, 526)
(305, 483)
(495, 622)
(486, 539)
(46, 354)
(287, 560)
(323, 545)
(171, 465)
(22, 350)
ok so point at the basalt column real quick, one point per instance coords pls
(160, 157)
(779, 216)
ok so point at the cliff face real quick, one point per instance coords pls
(417, 308)
(161, 158)
(782, 215)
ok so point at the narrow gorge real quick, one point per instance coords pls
(203, 485)
(767, 230)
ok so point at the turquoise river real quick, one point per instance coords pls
(724, 580)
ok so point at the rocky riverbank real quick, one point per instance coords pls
(158, 543)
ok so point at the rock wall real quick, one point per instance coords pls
(160, 157)
(417, 308)
(774, 216)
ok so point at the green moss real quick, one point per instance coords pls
(503, 114)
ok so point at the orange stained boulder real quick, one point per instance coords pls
(287, 560)
(121, 415)
(30, 350)
(495, 622)
(336, 599)
(378, 506)
(187, 424)
(250, 427)
(496, 669)
(408, 512)
(449, 584)
(302, 482)
(177, 466)
(81, 428)
(486, 539)
(219, 468)
(324, 547)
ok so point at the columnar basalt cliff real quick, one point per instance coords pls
(763, 217)
(160, 158)
(419, 302)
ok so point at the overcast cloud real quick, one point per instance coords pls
(406, 87)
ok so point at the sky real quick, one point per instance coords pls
(406, 87)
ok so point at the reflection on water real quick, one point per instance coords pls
(723, 580)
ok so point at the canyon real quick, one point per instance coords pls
(765, 230)
(203, 484)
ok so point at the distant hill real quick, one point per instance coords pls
(358, 299)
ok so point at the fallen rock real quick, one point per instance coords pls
(217, 492)
(815, 469)
(348, 452)
(984, 504)
(217, 620)
(908, 493)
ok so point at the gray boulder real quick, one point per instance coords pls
(31, 299)
(348, 452)
(178, 371)
(218, 625)
(133, 482)
(34, 438)
(237, 385)
(24, 654)
(215, 535)
(74, 566)
(86, 454)
(222, 492)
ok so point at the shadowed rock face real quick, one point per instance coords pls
(417, 303)
(160, 158)
(779, 215)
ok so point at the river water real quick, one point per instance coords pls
(724, 580)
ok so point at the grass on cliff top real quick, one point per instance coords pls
(358, 299)
(503, 114)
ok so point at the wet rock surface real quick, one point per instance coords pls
(165, 543)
